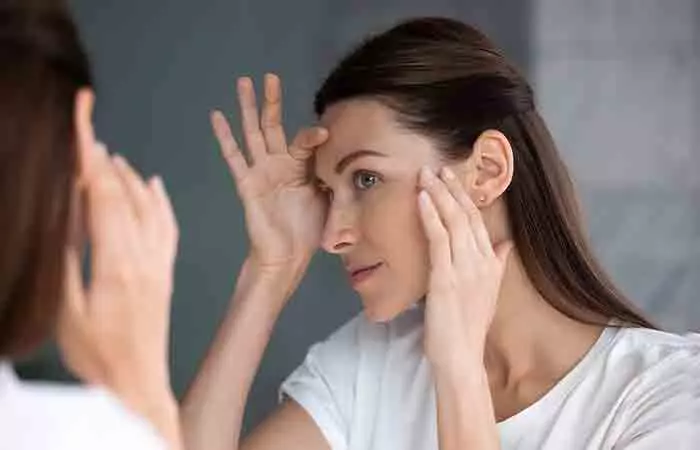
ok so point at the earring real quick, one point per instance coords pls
(482, 199)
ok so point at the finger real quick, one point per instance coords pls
(476, 221)
(73, 312)
(254, 139)
(134, 187)
(438, 239)
(456, 223)
(229, 148)
(74, 303)
(306, 141)
(166, 215)
(272, 115)
(111, 222)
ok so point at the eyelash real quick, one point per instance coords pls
(325, 190)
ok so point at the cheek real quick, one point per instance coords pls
(396, 232)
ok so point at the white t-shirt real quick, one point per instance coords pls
(369, 387)
(49, 416)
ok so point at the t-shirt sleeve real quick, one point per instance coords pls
(323, 384)
(663, 408)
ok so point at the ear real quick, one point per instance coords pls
(491, 167)
(84, 131)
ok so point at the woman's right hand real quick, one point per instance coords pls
(284, 211)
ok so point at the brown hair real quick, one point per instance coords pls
(42, 65)
(448, 81)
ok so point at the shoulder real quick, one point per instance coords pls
(647, 348)
(656, 362)
(662, 397)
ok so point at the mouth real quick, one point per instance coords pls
(361, 274)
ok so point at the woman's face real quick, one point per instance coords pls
(369, 170)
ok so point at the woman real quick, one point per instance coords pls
(487, 321)
(55, 182)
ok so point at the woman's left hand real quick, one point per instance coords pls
(465, 273)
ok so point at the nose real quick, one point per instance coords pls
(340, 233)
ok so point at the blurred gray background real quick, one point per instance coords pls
(616, 81)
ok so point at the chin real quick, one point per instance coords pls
(386, 310)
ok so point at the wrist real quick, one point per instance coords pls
(267, 287)
(288, 271)
(464, 380)
(467, 362)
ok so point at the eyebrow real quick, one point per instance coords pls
(349, 158)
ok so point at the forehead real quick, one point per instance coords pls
(365, 124)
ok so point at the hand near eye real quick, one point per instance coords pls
(465, 273)
(283, 209)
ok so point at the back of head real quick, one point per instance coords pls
(42, 66)
(448, 81)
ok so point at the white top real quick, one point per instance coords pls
(53, 417)
(369, 387)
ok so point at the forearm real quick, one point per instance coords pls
(466, 417)
(213, 407)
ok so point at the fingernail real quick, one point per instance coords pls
(321, 131)
(100, 148)
(447, 173)
(423, 197)
(157, 182)
(426, 175)
(245, 82)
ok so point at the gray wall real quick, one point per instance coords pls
(618, 82)
(162, 65)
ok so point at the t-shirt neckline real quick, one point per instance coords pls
(559, 391)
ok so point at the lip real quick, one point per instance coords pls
(360, 274)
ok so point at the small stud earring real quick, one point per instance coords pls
(482, 199)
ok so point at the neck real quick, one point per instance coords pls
(528, 338)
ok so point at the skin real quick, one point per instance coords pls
(494, 344)
(113, 331)
(372, 215)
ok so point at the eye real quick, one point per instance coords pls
(364, 180)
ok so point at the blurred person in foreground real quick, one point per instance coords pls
(60, 193)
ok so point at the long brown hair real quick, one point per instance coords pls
(42, 66)
(448, 81)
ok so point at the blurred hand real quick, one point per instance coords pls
(114, 331)
(284, 212)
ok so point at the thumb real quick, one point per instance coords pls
(74, 307)
(306, 141)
